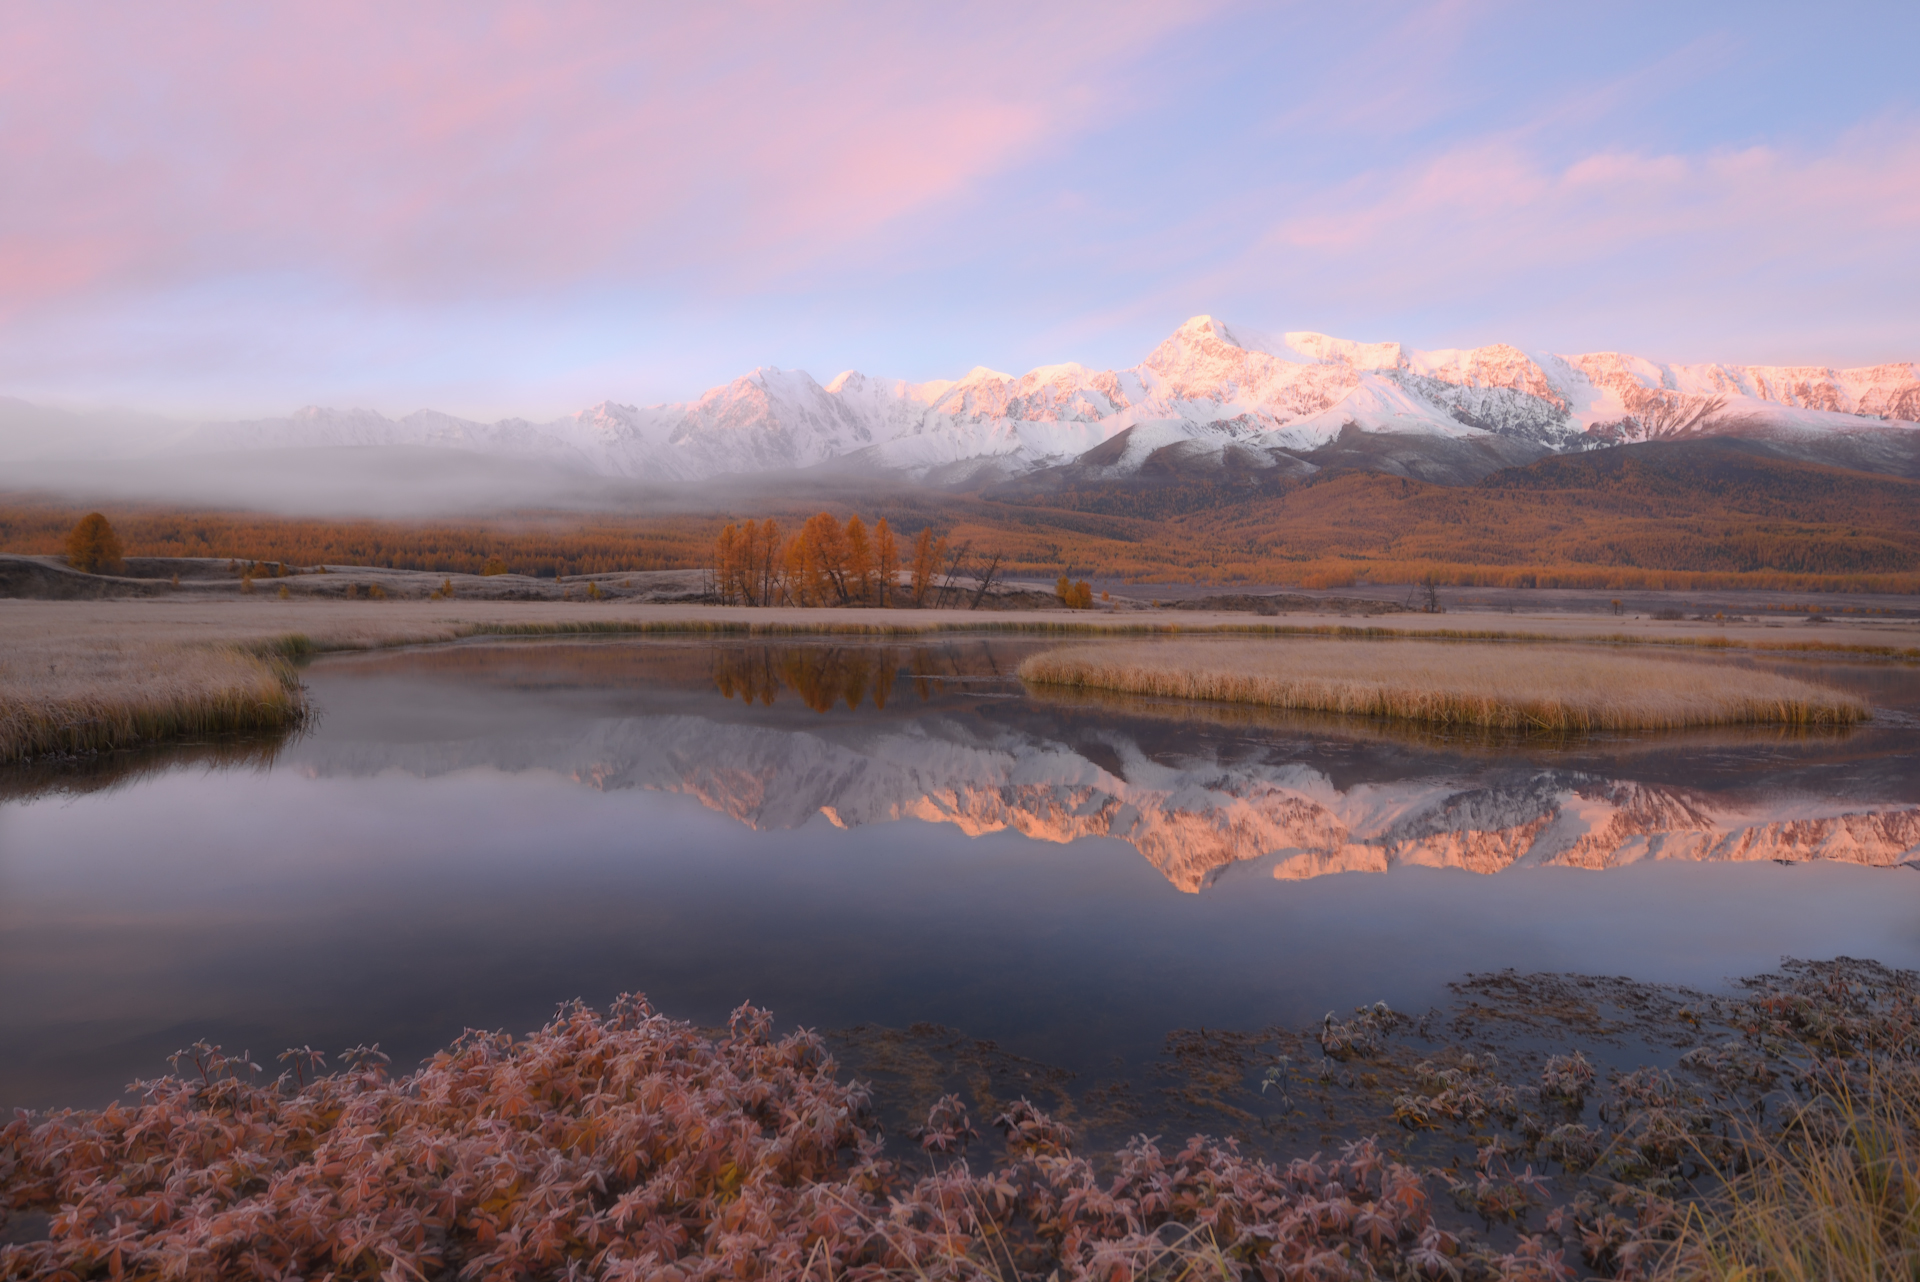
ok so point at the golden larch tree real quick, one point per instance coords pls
(823, 560)
(766, 562)
(886, 559)
(928, 554)
(93, 547)
(859, 561)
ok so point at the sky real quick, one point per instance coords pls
(217, 209)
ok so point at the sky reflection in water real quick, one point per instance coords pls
(474, 833)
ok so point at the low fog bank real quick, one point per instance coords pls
(32, 433)
(371, 481)
(111, 456)
(95, 458)
(400, 483)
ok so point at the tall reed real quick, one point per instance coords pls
(1553, 689)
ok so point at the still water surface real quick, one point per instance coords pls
(888, 834)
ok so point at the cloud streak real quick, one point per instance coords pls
(1780, 230)
(444, 149)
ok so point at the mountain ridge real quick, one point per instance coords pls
(1210, 397)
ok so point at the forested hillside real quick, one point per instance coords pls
(1664, 514)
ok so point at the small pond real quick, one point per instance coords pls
(895, 834)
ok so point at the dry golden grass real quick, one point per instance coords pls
(1836, 1198)
(116, 693)
(100, 676)
(1556, 689)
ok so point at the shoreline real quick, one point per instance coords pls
(1658, 1126)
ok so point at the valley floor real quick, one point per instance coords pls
(262, 620)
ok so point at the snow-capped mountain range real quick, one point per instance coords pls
(1210, 395)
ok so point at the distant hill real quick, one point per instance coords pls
(1753, 475)
(1718, 506)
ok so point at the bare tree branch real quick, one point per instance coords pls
(956, 562)
(986, 580)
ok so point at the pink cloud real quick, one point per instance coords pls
(1594, 204)
(1490, 219)
(438, 148)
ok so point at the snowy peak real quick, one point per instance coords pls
(1049, 394)
(1299, 346)
(1496, 366)
(1342, 351)
(1203, 365)
(611, 419)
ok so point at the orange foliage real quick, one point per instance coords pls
(886, 560)
(534, 543)
(747, 562)
(928, 555)
(92, 546)
(824, 564)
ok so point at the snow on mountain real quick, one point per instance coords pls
(1628, 398)
(1208, 388)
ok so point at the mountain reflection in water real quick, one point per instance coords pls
(1198, 793)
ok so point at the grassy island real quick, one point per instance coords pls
(1554, 689)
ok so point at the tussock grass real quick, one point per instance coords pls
(57, 699)
(1562, 689)
(1834, 1197)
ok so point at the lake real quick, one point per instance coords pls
(897, 834)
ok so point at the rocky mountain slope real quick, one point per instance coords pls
(1210, 400)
